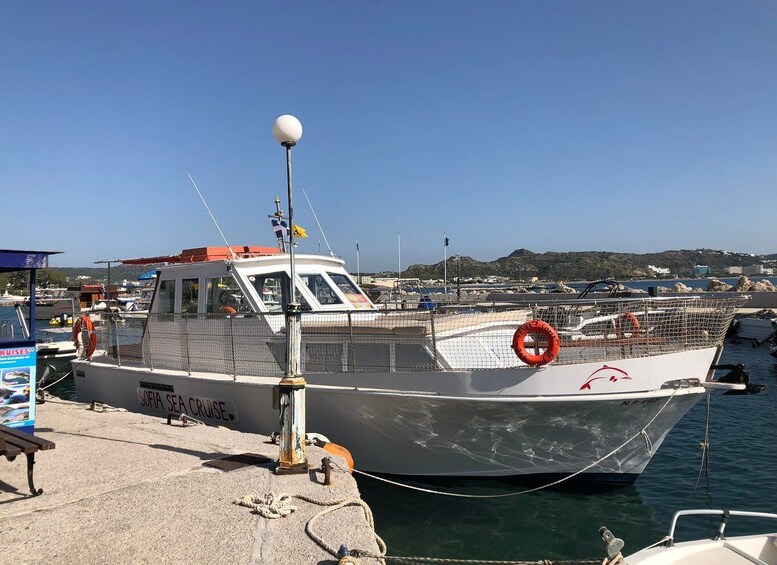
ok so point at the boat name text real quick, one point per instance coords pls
(195, 406)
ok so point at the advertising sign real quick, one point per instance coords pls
(17, 386)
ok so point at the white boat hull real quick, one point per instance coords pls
(741, 549)
(46, 310)
(485, 429)
(53, 359)
(756, 328)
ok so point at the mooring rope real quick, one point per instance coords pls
(273, 506)
(642, 432)
(389, 559)
(278, 506)
(70, 372)
(705, 447)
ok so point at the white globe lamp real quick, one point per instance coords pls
(287, 130)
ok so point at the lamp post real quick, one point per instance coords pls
(288, 131)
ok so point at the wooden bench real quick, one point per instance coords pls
(15, 442)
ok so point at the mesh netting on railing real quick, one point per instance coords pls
(418, 340)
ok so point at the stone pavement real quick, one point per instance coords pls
(128, 488)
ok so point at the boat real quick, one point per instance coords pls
(52, 303)
(760, 549)
(58, 303)
(412, 391)
(54, 355)
(54, 351)
(758, 325)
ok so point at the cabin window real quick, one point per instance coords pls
(189, 295)
(225, 297)
(350, 290)
(166, 297)
(273, 290)
(321, 289)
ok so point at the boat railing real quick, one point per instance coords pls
(465, 338)
(725, 516)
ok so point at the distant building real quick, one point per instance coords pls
(701, 270)
(659, 270)
(751, 270)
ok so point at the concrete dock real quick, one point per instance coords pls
(127, 488)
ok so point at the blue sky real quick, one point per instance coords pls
(564, 126)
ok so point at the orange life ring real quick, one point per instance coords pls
(229, 310)
(540, 327)
(85, 322)
(619, 322)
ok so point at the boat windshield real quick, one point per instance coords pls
(321, 289)
(350, 290)
(273, 290)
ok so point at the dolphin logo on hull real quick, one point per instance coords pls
(613, 376)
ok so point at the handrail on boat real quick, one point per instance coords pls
(725, 515)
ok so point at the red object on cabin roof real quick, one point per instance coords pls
(199, 254)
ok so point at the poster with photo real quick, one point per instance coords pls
(17, 386)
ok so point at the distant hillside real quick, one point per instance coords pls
(592, 265)
(524, 264)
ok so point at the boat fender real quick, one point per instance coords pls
(319, 440)
(540, 327)
(340, 451)
(84, 324)
(632, 320)
(229, 310)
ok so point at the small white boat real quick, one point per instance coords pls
(52, 303)
(760, 549)
(54, 357)
(760, 325)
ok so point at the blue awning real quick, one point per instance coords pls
(14, 259)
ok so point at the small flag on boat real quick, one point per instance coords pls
(299, 231)
(280, 227)
(447, 242)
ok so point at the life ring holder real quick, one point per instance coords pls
(84, 322)
(620, 322)
(540, 327)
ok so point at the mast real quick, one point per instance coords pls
(399, 262)
(445, 262)
(358, 267)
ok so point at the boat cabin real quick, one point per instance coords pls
(211, 281)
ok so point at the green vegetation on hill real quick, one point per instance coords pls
(520, 264)
(592, 265)
(52, 277)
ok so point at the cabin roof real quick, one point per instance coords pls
(201, 254)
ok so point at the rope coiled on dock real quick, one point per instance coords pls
(278, 506)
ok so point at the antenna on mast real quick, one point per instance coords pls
(317, 222)
(279, 226)
(211, 216)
